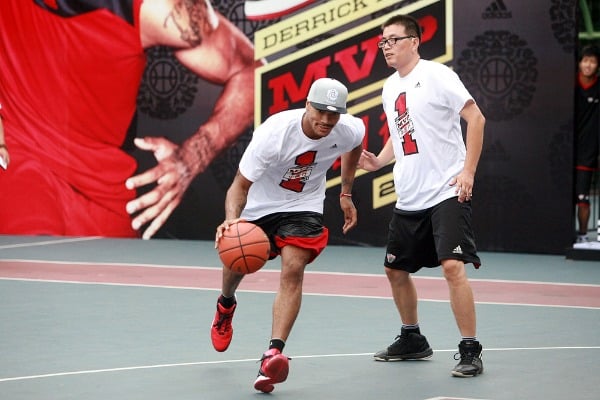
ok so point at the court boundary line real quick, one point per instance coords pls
(244, 360)
(357, 274)
(352, 296)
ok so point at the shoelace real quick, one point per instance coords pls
(265, 356)
(465, 357)
(224, 323)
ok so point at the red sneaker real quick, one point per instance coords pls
(221, 331)
(274, 369)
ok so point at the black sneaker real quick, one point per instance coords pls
(470, 359)
(407, 346)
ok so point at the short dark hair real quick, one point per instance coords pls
(411, 25)
(591, 50)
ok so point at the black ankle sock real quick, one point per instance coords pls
(276, 344)
(227, 302)
(406, 329)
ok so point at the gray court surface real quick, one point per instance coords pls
(63, 338)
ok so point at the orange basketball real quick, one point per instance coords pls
(244, 247)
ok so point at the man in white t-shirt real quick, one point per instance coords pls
(280, 186)
(433, 177)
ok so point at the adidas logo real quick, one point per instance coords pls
(333, 146)
(418, 85)
(496, 10)
(390, 257)
(457, 250)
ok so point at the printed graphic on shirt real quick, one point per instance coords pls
(296, 177)
(405, 126)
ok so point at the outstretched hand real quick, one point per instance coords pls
(172, 177)
(369, 161)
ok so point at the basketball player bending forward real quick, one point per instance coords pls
(280, 186)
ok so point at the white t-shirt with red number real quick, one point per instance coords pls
(287, 168)
(422, 110)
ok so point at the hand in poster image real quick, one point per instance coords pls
(70, 174)
(218, 52)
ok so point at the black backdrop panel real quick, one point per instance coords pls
(516, 58)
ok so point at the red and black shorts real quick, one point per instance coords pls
(301, 229)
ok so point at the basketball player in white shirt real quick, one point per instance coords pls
(280, 186)
(433, 176)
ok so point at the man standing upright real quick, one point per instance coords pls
(433, 177)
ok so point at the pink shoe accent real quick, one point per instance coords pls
(274, 369)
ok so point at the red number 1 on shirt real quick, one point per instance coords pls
(409, 145)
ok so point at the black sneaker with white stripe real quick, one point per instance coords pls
(470, 359)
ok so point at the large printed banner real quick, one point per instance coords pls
(340, 41)
(99, 90)
(515, 57)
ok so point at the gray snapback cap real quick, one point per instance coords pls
(327, 94)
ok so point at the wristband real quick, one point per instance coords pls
(345, 195)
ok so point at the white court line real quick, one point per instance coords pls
(188, 364)
(49, 242)
(351, 296)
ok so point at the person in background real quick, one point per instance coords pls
(4, 156)
(434, 176)
(69, 83)
(280, 186)
(587, 126)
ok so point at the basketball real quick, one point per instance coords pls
(244, 247)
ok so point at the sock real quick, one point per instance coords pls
(469, 338)
(227, 302)
(276, 344)
(410, 328)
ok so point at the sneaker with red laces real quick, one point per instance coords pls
(221, 331)
(274, 369)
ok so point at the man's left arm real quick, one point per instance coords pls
(225, 57)
(348, 172)
(474, 143)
